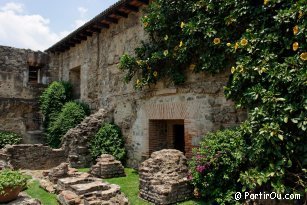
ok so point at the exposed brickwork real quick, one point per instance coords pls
(33, 156)
(76, 140)
(77, 188)
(107, 167)
(162, 136)
(157, 135)
(163, 178)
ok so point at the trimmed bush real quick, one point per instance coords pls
(53, 98)
(9, 138)
(108, 140)
(71, 114)
(215, 166)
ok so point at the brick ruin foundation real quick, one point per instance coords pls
(76, 140)
(107, 167)
(163, 178)
(33, 157)
(76, 188)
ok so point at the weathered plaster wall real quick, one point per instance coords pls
(200, 102)
(19, 110)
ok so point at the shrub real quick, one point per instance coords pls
(216, 164)
(108, 140)
(263, 43)
(9, 138)
(71, 114)
(53, 98)
(85, 107)
(12, 179)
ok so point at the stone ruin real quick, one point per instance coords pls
(76, 188)
(76, 140)
(107, 167)
(58, 172)
(163, 178)
(31, 156)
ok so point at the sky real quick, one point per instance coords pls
(38, 24)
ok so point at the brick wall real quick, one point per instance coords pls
(162, 135)
(33, 157)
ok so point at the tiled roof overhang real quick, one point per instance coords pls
(119, 10)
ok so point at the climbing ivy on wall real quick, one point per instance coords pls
(263, 43)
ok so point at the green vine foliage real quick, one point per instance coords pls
(263, 43)
(53, 98)
(270, 79)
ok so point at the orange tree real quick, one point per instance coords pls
(263, 42)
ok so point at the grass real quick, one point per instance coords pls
(130, 187)
(38, 193)
(83, 170)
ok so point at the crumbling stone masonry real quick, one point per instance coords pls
(34, 156)
(90, 191)
(163, 178)
(76, 140)
(23, 75)
(107, 167)
(76, 188)
(58, 172)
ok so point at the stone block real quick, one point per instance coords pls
(81, 189)
(68, 198)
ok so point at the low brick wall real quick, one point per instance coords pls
(26, 156)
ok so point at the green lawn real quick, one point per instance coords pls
(129, 186)
(38, 193)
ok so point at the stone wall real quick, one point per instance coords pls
(199, 104)
(19, 90)
(76, 141)
(33, 157)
